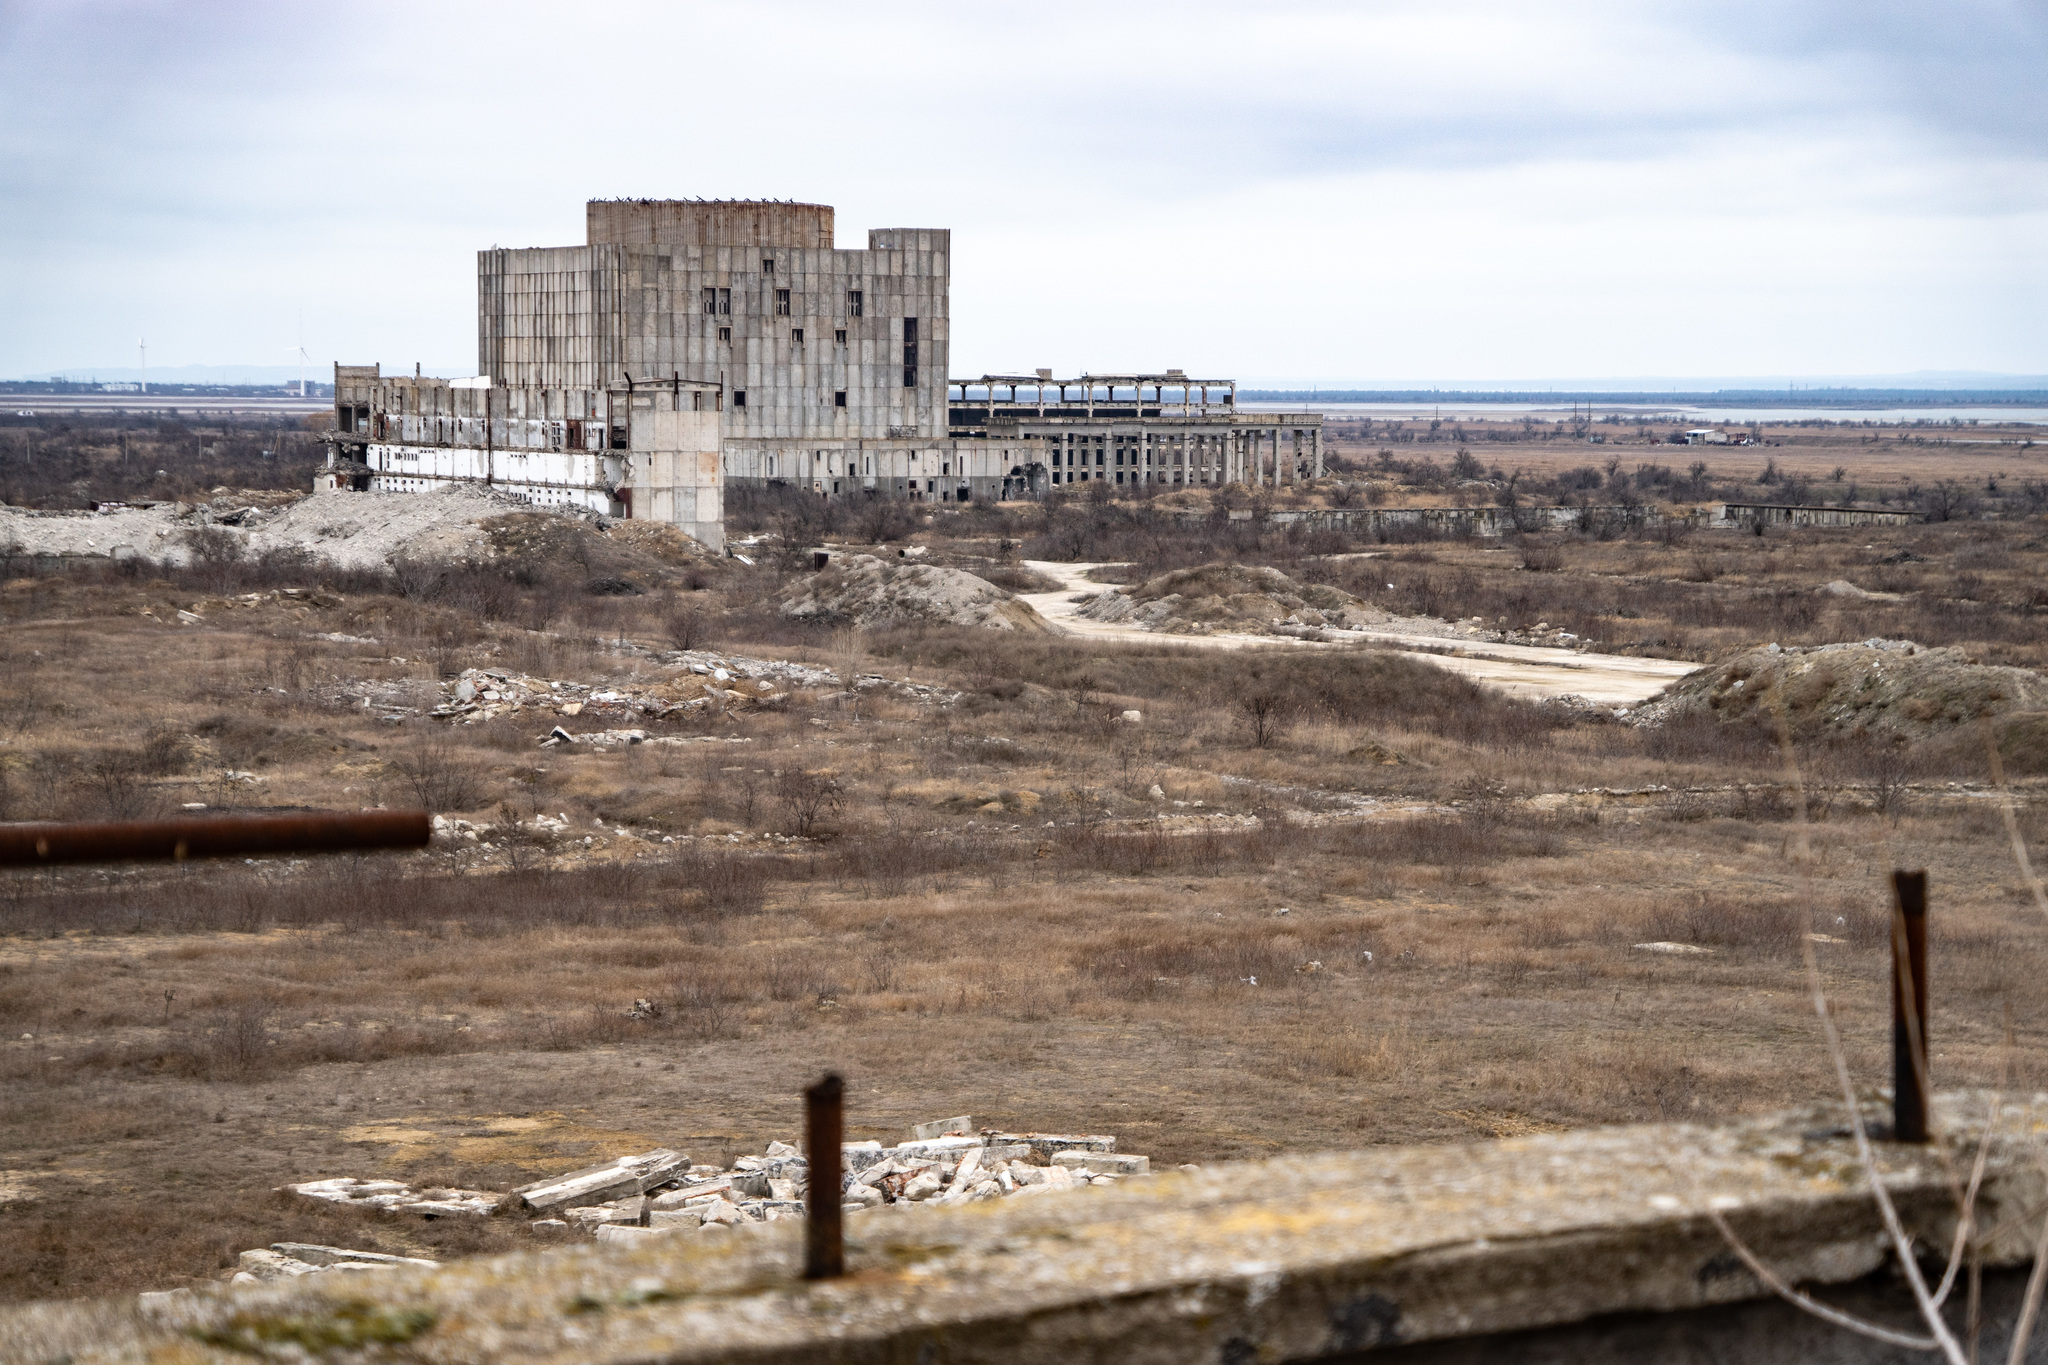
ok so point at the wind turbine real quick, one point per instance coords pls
(142, 345)
(303, 358)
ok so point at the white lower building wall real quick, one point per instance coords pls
(546, 478)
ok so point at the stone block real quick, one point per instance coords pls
(689, 1194)
(621, 1235)
(594, 1184)
(943, 1128)
(313, 1253)
(1104, 1163)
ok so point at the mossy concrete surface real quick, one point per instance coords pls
(1288, 1259)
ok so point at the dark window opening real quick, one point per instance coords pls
(909, 330)
(725, 334)
(710, 300)
(910, 353)
(839, 399)
(739, 398)
(767, 266)
(782, 303)
(853, 303)
(839, 336)
(796, 336)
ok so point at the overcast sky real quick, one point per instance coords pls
(1311, 192)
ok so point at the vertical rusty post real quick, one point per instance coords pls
(824, 1131)
(1909, 1008)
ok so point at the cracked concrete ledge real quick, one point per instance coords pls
(1295, 1258)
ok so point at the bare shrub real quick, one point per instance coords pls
(1265, 715)
(806, 798)
(728, 883)
(685, 625)
(118, 781)
(1766, 927)
(439, 776)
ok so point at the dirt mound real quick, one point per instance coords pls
(863, 590)
(1234, 597)
(358, 530)
(1887, 687)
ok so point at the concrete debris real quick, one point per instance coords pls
(351, 530)
(633, 1175)
(864, 591)
(702, 682)
(943, 1128)
(1681, 949)
(660, 1192)
(289, 1260)
(393, 1196)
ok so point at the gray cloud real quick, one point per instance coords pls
(208, 171)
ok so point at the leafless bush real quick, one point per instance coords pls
(119, 785)
(806, 798)
(686, 625)
(728, 883)
(1265, 713)
(439, 776)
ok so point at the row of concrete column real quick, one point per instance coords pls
(1270, 457)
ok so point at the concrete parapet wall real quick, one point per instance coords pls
(1461, 521)
(1440, 1253)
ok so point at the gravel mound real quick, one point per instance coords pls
(352, 530)
(1233, 597)
(865, 591)
(1885, 687)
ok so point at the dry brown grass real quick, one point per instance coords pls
(998, 917)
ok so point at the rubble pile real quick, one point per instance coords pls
(395, 1196)
(702, 681)
(1890, 688)
(289, 1260)
(1233, 597)
(862, 590)
(481, 694)
(660, 1191)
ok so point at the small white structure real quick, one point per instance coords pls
(1706, 436)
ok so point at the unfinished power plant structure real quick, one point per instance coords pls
(689, 345)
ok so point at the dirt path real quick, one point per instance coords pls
(1527, 670)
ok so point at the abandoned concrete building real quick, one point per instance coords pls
(689, 345)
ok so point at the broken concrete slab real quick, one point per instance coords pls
(618, 1234)
(395, 1196)
(312, 1253)
(1104, 1163)
(957, 1127)
(593, 1184)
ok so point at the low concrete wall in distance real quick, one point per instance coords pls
(1588, 1246)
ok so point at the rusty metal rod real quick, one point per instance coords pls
(1909, 1008)
(42, 845)
(824, 1131)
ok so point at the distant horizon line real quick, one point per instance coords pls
(1562, 386)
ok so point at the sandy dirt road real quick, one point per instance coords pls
(1527, 670)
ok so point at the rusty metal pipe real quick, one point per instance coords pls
(1909, 1008)
(824, 1131)
(44, 845)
